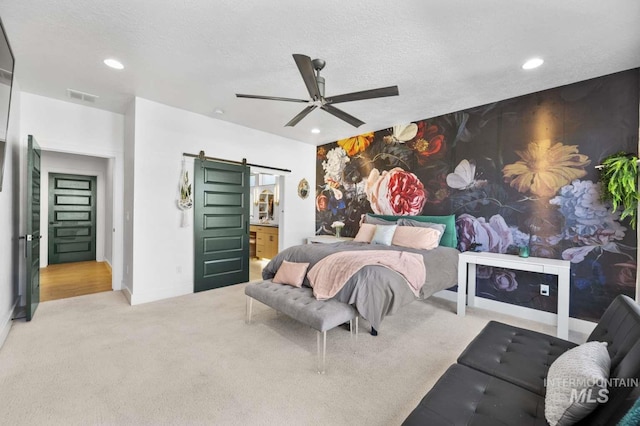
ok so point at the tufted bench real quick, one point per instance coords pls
(299, 304)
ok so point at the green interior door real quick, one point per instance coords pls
(32, 243)
(72, 218)
(221, 224)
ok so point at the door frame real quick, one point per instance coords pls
(118, 278)
(100, 220)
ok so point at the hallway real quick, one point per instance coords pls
(74, 279)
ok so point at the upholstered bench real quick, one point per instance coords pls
(299, 304)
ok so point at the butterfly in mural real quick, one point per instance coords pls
(463, 176)
(403, 133)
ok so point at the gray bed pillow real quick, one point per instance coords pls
(377, 221)
(577, 383)
(437, 226)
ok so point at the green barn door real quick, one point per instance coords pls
(221, 224)
(32, 239)
(72, 218)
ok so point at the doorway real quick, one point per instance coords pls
(72, 218)
(78, 217)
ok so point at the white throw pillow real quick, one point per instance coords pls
(384, 234)
(577, 383)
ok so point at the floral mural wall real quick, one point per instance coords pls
(519, 172)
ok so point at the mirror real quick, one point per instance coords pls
(303, 189)
(6, 81)
(265, 206)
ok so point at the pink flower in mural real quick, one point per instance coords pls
(322, 202)
(626, 274)
(545, 168)
(494, 236)
(503, 280)
(395, 192)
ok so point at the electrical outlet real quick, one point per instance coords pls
(544, 289)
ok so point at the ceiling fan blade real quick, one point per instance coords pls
(295, 120)
(308, 75)
(270, 98)
(365, 94)
(342, 115)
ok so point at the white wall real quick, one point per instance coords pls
(10, 248)
(72, 128)
(161, 248)
(129, 164)
(58, 162)
(108, 218)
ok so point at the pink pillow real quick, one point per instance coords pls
(417, 238)
(291, 273)
(365, 234)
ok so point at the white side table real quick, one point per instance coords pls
(468, 260)
(327, 239)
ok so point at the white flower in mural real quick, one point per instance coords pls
(334, 165)
(588, 222)
(585, 215)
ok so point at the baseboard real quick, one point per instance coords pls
(7, 322)
(108, 265)
(127, 293)
(139, 297)
(575, 324)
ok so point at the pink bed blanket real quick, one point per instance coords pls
(329, 275)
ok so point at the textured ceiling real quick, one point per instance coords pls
(196, 54)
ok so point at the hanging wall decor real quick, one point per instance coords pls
(303, 189)
(185, 202)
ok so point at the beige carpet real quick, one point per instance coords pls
(192, 360)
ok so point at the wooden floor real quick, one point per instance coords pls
(74, 279)
(255, 268)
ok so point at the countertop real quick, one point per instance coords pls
(272, 225)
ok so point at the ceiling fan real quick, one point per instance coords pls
(315, 86)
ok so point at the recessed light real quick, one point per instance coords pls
(219, 111)
(114, 63)
(532, 63)
(315, 130)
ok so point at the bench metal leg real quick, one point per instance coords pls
(351, 321)
(248, 308)
(321, 357)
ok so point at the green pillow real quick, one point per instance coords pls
(450, 236)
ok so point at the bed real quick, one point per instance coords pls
(377, 291)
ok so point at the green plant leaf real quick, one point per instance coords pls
(619, 184)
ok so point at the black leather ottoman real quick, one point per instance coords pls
(464, 396)
(519, 356)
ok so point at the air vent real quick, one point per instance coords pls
(82, 96)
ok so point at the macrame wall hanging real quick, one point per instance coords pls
(185, 202)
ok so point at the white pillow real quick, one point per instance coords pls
(384, 234)
(576, 383)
